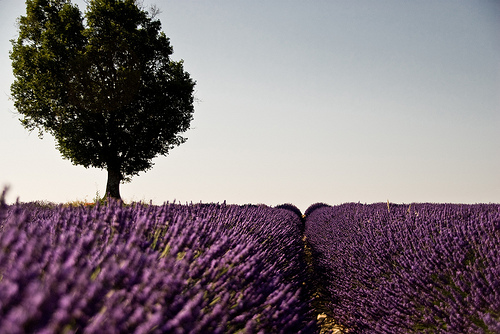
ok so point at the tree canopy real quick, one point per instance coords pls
(102, 83)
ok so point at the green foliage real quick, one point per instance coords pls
(104, 86)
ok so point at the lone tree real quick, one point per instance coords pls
(102, 84)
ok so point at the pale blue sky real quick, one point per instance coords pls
(304, 102)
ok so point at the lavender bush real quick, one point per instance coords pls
(424, 268)
(151, 269)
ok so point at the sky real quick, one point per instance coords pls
(303, 102)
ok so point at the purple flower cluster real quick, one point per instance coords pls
(151, 269)
(419, 268)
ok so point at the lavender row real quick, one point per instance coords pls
(420, 268)
(151, 269)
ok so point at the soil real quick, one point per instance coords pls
(326, 322)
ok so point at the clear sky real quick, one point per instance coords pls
(303, 102)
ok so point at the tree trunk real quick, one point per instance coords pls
(113, 185)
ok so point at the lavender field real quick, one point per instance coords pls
(217, 268)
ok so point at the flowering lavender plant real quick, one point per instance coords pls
(151, 269)
(423, 268)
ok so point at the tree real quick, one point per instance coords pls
(102, 84)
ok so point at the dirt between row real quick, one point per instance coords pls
(327, 323)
